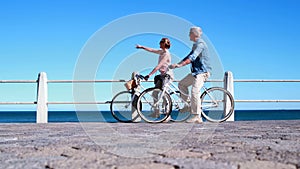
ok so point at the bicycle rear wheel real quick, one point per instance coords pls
(217, 104)
(157, 105)
(122, 106)
(177, 104)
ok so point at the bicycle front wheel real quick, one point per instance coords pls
(122, 106)
(217, 104)
(157, 105)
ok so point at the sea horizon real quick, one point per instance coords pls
(29, 116)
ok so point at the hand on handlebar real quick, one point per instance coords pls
(146, 77)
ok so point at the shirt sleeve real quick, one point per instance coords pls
(157, 51)
(185, 58)
(196, 52)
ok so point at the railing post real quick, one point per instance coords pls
(42, 99)
(228, 85)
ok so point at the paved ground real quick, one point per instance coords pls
(238, 145)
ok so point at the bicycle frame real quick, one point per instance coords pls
(172, 88)
(212, 101)
(138, 78)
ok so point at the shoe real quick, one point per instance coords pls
(195, 119)
(185, 109)
(167, 120)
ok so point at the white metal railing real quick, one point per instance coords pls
(256, 80)
(270, 101)
(266, 81)
(42, 93)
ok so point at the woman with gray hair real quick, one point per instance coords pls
(200, 71)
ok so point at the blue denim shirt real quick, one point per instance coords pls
(199, 58)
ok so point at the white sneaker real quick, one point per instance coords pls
(167, 120)
(195, 119)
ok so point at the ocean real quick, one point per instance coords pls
(93, 116)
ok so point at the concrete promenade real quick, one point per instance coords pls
(232, 145)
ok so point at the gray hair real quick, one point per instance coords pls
(197, 31)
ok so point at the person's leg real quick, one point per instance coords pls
(166, 78)
(183, 86)
(195, 96)
(158, 84)
(158, 81)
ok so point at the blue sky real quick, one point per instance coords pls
(255, 39)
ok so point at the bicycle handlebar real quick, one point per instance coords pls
(138, 76)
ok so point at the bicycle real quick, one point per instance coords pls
(123, 103)
(217, 104)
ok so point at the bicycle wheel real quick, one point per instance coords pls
(121, 107)
(156, 105)
(177, 104)
(217, 104)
